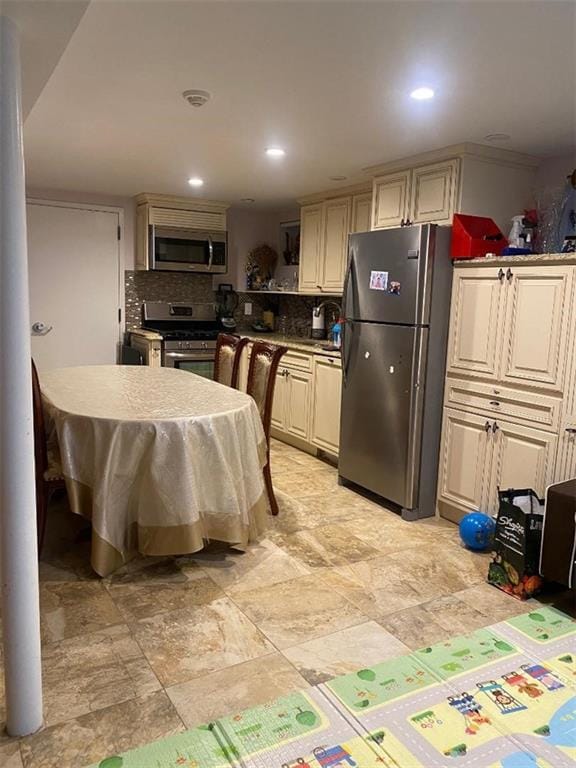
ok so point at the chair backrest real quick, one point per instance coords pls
(227, 364)
(40, 447)
(264, 362)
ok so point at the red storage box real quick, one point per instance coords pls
(469, 237)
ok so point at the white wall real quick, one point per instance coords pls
(126, 203)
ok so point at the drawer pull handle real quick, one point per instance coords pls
(494, 402)
(509, 274)
(495, 428)
(487, 427)
(571, 430)
(501, 274)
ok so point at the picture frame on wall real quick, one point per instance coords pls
(290, 242)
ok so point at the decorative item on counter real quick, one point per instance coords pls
(474, 236)
(268, 318)
(259, 266)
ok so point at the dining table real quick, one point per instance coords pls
(160, 460)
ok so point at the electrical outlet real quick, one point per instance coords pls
(248, 308)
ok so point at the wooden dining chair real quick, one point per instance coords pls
(228, 353)
(49, 477)
(261, 382)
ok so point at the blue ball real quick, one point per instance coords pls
(477, 530)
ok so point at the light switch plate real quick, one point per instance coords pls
(248, 308)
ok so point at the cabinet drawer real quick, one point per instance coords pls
(522, 407)
(294, 359)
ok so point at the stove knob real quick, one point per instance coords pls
(179, 345)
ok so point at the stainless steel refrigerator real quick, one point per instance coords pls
(396, 308)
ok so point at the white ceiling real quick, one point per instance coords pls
(329, 81)
(45, 30)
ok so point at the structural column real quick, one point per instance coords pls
(18, 546)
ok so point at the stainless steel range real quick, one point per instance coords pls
(189, 333)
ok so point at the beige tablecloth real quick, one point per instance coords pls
(159, 459)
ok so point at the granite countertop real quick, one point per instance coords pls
(312, 346)
(528, 258)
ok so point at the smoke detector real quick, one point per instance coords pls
(196, 98)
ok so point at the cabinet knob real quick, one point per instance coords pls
(509, 274)
(495, 427)
(501, 274)
(487, 427)
(495, 403)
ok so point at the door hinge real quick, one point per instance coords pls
(119, 315)
(119, 232)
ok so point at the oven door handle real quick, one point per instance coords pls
(193, 355)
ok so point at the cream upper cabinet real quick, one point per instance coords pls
(537, 325)
(390, 196)
(361, 213)
(311, 229)
(465, 463)
(336, 228)
(433, 192)
(475, 322)
(297, 401)
(327, 394)
(523, 458)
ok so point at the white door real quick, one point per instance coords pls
(298, 397)
(434, 192)
(327, 393)
(336, 228)
(311, 217)
(74, 268)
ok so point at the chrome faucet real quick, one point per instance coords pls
(325, 304)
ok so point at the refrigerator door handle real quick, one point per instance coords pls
(347, 278)
(343, 354)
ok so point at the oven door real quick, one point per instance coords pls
(182, 250)
(200, 363)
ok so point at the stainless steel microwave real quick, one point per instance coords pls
(187, 250)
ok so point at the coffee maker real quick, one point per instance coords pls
(226, 304)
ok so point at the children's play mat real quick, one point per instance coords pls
(501, 697)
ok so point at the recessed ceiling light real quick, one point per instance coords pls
(195, 97)
(195, 181)
(275, 152)
(422, 94)
(247, 200)
(497, 137)
(337, 178)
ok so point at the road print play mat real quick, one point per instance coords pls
(500, 697)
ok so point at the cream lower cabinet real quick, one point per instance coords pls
(465, 463)
(292, 399)
(511, 323)
(481, 454)
(522, 458)
(327, 394)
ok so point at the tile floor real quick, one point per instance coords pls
(168, 643)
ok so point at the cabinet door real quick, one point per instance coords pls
(474, 342)
(566, 456)
(142, 254)
(390, 195)
(523, 458)
(537, 325)
(433, 192)
(335, 239)
(325, 427)
(465, 460)
(278, 417)
(361, 213)
(311, 249)
(298, 398)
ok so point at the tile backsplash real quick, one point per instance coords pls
(178, 286)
